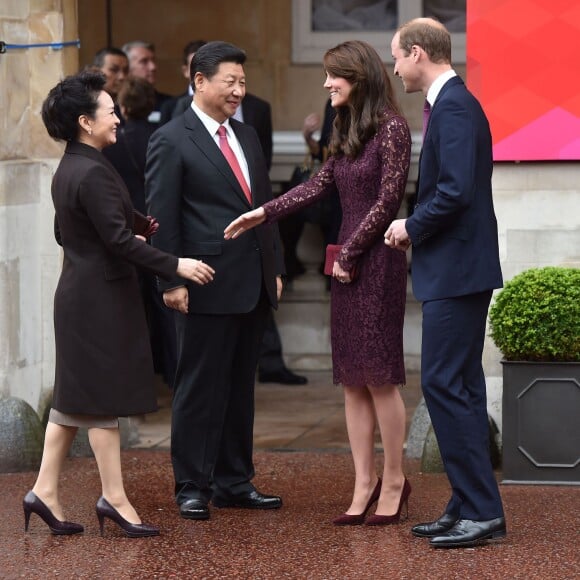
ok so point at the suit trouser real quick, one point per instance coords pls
(454, 388)
(213, 403)
(271, 360)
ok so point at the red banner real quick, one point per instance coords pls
(523, 65)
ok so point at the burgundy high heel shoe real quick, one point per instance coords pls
(33, 504)
(357, 519)
(377, 520)
(106, 510)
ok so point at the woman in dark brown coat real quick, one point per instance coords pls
(103, 358)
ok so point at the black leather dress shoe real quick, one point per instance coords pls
(467, 533)
(194, 509)
(436, 528)
(284, 377)
(253, 500)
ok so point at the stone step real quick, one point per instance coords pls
(303, 319)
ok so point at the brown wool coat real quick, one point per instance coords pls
(103, 356)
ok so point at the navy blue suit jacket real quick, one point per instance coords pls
(453, 227)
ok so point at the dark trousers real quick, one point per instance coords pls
(454, 388)
(271, 360)
(213, 403)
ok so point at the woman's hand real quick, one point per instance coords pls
(341, 275)
(246, 221)
(152, 227)
(195, 270)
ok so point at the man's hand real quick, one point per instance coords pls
(177, 298)
(246, 221)
(397, 237)
(279, 287)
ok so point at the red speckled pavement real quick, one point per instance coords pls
(297, 541)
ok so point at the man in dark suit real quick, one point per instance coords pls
(253, 110)
(204, 169)
(114, 64)
(257, 113)
(456, 266)
(178, 105)
(142, 64)
(136, 100)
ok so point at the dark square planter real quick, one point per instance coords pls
(541, 423)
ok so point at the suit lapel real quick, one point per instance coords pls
(450, 83)
(209, 148)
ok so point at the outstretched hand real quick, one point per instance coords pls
(195, 270)
(246, 221)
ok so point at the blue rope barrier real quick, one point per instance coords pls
(54, 45)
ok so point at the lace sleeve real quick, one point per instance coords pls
(395, 154)
(317, 187)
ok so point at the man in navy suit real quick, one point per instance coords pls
(199, 169)
(453, 231)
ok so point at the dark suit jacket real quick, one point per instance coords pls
(174, 104)
(128, 157)
(453, 227)
(192, 191)
(256, 112)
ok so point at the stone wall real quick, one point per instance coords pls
(538, 211)
(29, 256)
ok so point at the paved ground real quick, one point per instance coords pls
(287, 417)
(297, 541)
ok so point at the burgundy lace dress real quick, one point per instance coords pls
(366, 314)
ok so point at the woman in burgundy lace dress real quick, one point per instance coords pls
(368, 166)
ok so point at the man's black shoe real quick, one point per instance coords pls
(467, 533)
(436, 528)
(284, 377)
(194, 509)
(253, 500)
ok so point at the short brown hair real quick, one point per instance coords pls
(430, 35)
(137, 97)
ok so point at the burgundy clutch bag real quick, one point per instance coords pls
(332, 251)
(144, 226)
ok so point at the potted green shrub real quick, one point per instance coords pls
(535, 322)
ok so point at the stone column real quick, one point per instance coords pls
(29, 256)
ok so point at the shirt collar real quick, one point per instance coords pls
(437, 85)
(210, 124)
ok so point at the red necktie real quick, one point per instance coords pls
(233, 161)
(426, 113)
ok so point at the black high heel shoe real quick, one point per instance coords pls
(378, 520)
(106, 510)
(33, 504)
(357, 519)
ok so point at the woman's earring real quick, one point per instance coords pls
(90, 131)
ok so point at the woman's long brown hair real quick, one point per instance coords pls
(370, 96)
